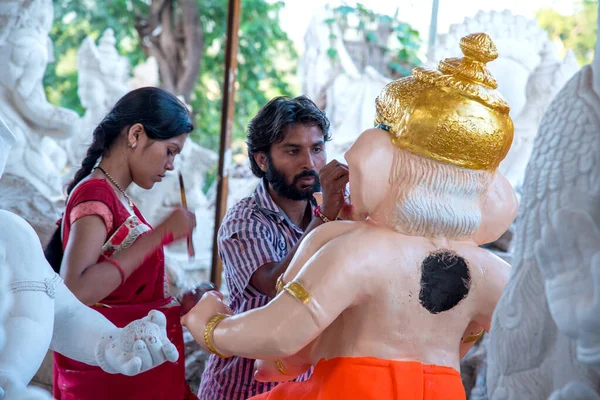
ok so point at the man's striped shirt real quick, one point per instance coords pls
(255, 232)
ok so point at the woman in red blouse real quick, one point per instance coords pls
(108, 254)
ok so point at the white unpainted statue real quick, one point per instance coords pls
(338, 86)
(543, 84)
(545, 338)
(144, 74)
(38, 312)
(25, 50)
(519, 41)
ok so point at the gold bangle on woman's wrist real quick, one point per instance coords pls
(208, 334)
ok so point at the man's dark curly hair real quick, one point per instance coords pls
(268, 126)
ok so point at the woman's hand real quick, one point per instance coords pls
(180, 223)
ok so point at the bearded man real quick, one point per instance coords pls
(260, 233)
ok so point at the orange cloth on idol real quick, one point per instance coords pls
(366, 378)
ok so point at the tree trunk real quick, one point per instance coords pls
(172, 33)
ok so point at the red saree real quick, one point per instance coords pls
(143, 291)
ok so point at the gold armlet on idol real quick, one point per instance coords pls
(297, 290)
(208, 334)
(279, 285)
(280, 367)
(473, 338)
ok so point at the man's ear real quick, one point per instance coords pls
(261, 160)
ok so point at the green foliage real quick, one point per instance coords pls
(404, 51)
(73, 21)
(265, 62)
(266, 57)
(409, 46)
(577, 31)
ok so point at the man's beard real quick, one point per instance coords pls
(277, 181)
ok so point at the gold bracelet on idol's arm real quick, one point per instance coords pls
(279, 285)
(473, 338)
(298, 291)
(281, 368)
(208, 334)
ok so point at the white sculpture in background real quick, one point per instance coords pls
(144, 74)
(345, 92)
(6, 303)
(242, 182)
(45, 314)
(6, 296)
(351, 108)
(546, 333)
(25, 50)
(519, 41)
(193, 163)
(102, 81)
(543, 84)
(316, 69)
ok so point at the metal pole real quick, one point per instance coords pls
(432, 29)
(227, 108)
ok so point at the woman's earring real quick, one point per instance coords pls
(132, 145)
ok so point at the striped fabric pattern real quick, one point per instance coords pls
(253, 233)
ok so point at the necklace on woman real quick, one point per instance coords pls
(119, 188)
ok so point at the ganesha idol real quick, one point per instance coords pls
(385, 307)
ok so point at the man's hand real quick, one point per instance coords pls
(191, 297)
(140, 346)
(334, 178)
